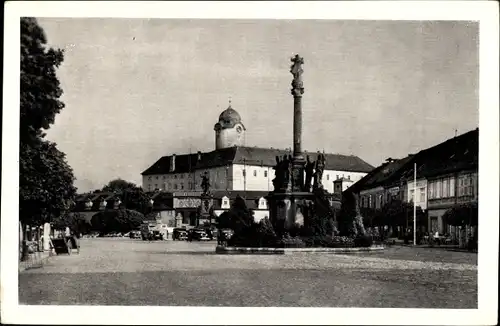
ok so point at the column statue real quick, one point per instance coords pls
(318, 175)
(309, 169)
(205, 183)
(296, 70)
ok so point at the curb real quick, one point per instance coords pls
(283, 251)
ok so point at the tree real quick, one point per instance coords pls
(223, 221)
(400, 213)
(40, 90)
(74, 220)
(347, 213)
(121, 220)
(132, 196)
(45, 179)
(45, 182)
(462, 215)
(119, 185)
(240, 216)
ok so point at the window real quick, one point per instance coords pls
(327, 177)
(452, 187)
(349, 177)
(439, 185)
(149, 178)
(446, 189)
(422, 194)
(182, 176)
(465, 185)
(370, 201)
(362, 201)
(337, 177)
(265, 174)
(431, 191)
(164, 177)
(164, 186)
(412, 194)
(254, 173)
(175, 176)
(156, 177)
(175, 186)
(182, 186)
(156, 186)
(149, 187)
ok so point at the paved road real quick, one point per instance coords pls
(133, 272)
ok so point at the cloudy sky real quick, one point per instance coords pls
(138, 89)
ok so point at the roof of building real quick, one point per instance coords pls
(185, 163)
(455, 154)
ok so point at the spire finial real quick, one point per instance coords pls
(229, 101)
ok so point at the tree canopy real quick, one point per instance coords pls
(45, 178)
(118, 185)
(74, 220)
(121, 220)
(238, 217)
(40, 88)
(462, 215)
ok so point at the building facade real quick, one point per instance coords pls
(234, 167)
(447, 175)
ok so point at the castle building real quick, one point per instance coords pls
(235, 167)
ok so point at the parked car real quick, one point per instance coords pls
(179, 234)
(135, 234)
(155, 235)
(198, 235)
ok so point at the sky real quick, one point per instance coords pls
(138, 89)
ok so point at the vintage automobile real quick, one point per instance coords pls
(197, 235)
(135, 234)
(179, 234)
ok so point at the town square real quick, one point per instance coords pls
(252, 163)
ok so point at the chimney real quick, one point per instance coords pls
(199, 156)
(172, 163)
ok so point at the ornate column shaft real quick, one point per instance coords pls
(297, 91)
(297, 127)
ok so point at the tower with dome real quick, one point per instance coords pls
(229, 130)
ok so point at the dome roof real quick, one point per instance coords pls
(228, 118)
(229, 115)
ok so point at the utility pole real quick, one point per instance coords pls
(415, 204)
(245, 177)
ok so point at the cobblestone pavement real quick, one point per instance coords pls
(133, 272)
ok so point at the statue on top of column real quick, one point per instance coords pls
(296, 70)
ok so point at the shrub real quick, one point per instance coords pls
(342, 242)
(294, 242)
(363, 241)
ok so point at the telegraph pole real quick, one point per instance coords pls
(415, 204)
